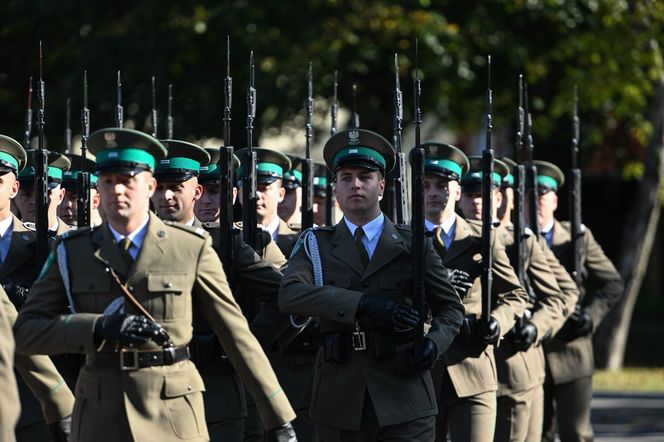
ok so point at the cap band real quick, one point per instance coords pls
(320, 181)
(508, 180)
(6, 158)
(547, 181)
(210, 169)
(359, 153)
(72, 176)
(439, 163)
(180, 163)
(29, 172)
(295, 174)
(270, 169)
(476, 177)
(106, 157)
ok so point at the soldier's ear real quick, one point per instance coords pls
(14, 189)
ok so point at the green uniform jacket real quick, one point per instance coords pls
(11, 407)
(471, 367)
(176, 271)
(339, 388)
(286, 238)
(573, 360)
(517, 370)
(19, 269)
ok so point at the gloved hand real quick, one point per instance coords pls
(580, 323)
(488, 331)
(59, 431)
(389, 314)
(129, 330)
(524, 335)
(426, 355)
(460, 280)
(284, 433)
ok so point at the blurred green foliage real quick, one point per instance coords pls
(611, 49)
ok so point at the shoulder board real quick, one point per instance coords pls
(568, 226)
(29, 225)
(528, 231)
(77, 232)
(210, 225)
(195, 230)
(322, 228)
(295, 226)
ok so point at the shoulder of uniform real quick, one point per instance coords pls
(198, 231)
(211, 225)
(567, 225)
(295, 226)
(528, 231)
(403, 227)
(321, 229)
(77, 232)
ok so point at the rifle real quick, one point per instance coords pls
(307, 162)
(226, 175)
(153, 114)
(398, 200)
(486, 277)
(68, 127)
(417, 201)
(119, 110)
(355, 117)
(28, 118)
(41, 171)
(83, 183)
(249, 221)
(520, 191)
(329, 191)
(531, 169)
(575, 197)
(169, 118)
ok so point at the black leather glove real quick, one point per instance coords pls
(389, 314)
(284, 433)
(583, 323)
(129, 330)
(59, 431)
(580, 323)
(488, 331)
(461, 280)
(426, 355)
(524, 335)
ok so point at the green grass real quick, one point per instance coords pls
(630, 379)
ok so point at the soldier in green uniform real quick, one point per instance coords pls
(569, 355)
(25, 200)
(466, 376)
(206, 208)
(68, 210)
(11, 408)
(133, 285)
(46, 401)
(290, 208)
(371, 383)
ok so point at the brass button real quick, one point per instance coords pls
(189, 387)
(168, 284)
(342, 313)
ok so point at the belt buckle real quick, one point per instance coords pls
(134, 364)
(359, 340)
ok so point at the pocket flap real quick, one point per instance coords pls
(183, 383)
(166, 282)
(88, 387)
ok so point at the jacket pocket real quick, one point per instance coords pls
(167, 300)
(91, 293)
(183, 400)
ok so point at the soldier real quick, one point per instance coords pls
(290, 208)
(43, 393)
(133, 285)
(25, 200)
(371, 382)
(465, 376)
(206, 208)
(10, 409)
(253, 279)
(270, 168)
(569, 355)
(520, 358)
(68, 210)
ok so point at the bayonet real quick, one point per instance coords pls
(226, 176)
(28, 117)
(399, 193)
(41, 170)
(83, 181)
(531, 169)
(575, 196)
(68, 127)
(355, 117)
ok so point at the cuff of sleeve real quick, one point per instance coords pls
(79, 332)
(59, 404)
(276, 411)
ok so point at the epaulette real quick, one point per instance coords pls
(76, 232)
(294, 226)
(28, 225)
(211, 225)
(322, 228)
(195, 230)
(528, 231)
(568, 226)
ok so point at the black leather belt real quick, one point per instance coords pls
(133, 359)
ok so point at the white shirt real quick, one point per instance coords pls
(6, 236)
(273, 228)
(372, 231)
(546, 229)
(136, 237)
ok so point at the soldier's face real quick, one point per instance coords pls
(126, 198)
(27, 203)
(68, 210)
(471, 204)
(320, 210)
(268, 197)
(440, 196)
(291, 203)
(548, 203)
(206, 208)
(507, 205)
(174, 201)
(359, 190)
(8, 190)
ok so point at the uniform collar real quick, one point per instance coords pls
(446, 225)
(371, 229)
(547, 228)
(136, 237)
(273, 227)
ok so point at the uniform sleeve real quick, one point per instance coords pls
(217, 305)
(552, 305)
(273, 255)
(255, 275)
(446, 308)
(511, 298)
(10, 409)
(604, 276)
(299, 295)
(42, 328)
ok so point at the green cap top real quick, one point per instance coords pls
(183, 161)
(359, 148)
(57, 165)
(549, 177)
(293, 178)
(270, 164)
(12, 155)
(211, 172)
(472, 181)
(125, 151)
(444, 160)
(78, 165)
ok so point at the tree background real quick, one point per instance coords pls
(610, 49)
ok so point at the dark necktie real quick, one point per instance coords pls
(359, 233)
(548, 236)
(125, 243)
